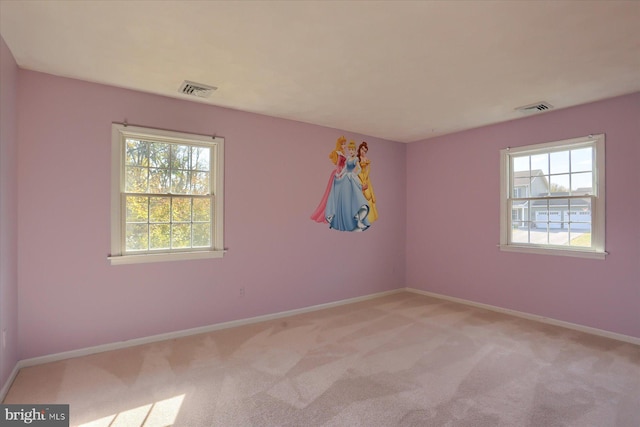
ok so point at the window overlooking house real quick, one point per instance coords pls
(166, 199)
(552, 198)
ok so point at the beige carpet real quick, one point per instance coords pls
(399, 360)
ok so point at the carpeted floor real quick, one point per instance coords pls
(399, 360)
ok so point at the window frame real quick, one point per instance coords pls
(119, 134)
(597, 249)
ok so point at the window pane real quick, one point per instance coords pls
(580, 236)
(521, 164)
(137, 237)
(137, 153)
(520, 234)
(181, 235)
(582, 159)
(159, 236)
(159, 155)
(136, 180)
(540, 162)
(201, 235)
(556, 209)
(559, 184)
(180, 182)
(559, 162)
(539, 186)
(159, 180)
(559, 236)
(518, 192)
(202, 210)
(538, 234)
(200, 158)
(179, 156)
(579, 222)
(137, 209)
(517, 217)
(200, 183)
(582, 183)
(181, 209)
(581, 209)
(521, 181)
(159, 209)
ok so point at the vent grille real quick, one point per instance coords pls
(196, 89)
(535, 108)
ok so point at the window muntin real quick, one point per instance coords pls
(552, 198)
(166, 195)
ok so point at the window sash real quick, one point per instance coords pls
(558, 217)
(149, 222)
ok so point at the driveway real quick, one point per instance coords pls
(556, 237)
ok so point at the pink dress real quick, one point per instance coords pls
(318, 215)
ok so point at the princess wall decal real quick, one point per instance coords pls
(348, 203)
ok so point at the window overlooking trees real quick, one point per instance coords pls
(166, 195)
(552, 198)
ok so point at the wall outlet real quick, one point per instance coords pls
(241, 292)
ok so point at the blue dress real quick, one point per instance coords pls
(347, 209)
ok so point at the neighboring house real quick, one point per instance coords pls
(554, 213)
(524, 185)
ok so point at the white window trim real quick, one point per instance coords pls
(597, 251)
(119, 132)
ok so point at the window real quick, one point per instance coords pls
(552, 198)
(166, 195)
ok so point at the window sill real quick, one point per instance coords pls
(555, 251)
(176, 256)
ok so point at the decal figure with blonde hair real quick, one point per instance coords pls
(367, 188)
(337, 158)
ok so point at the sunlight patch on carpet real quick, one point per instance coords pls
(157, 414)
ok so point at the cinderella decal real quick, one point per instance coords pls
(348, 203)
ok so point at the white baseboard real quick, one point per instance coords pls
(7, 384)
(194, 331)
(542, 319)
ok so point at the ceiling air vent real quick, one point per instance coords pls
(196, 89)
(535, 108)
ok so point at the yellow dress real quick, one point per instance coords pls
(367, 189)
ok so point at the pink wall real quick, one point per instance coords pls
(453, 221)
(276, 172)
(8, 212)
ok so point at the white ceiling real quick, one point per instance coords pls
(400, 70)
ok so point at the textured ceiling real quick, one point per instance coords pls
(400, 70)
